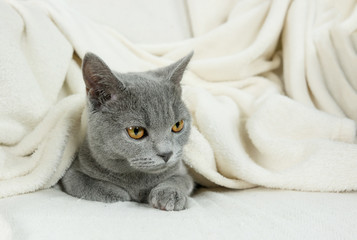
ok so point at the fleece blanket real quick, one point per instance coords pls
(271, 89)
(214, 213)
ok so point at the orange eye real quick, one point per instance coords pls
(177, 127)
(136, 132)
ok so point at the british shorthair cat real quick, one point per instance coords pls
(137, 127)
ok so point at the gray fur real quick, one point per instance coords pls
(111, 166)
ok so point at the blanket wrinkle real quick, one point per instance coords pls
(246, 133)
(319, 55)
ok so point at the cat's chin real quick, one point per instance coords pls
(153, 170)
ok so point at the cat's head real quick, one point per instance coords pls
(136, 120)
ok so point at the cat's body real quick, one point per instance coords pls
(137, 127)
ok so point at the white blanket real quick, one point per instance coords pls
(212, 214)
(246, 132)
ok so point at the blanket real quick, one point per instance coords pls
(214, 213)
(271, 89)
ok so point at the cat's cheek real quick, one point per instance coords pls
(183, 138)
(119, 140)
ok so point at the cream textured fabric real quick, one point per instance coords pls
(256, 214)
(320, 42)
(246, 132)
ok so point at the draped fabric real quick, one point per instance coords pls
(271, 89)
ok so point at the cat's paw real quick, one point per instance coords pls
(112, 197)
(167, 198)
(111, 194)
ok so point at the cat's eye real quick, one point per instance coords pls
(177, 127)
(136, 132)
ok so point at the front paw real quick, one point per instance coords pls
(112, 197)
(109, 193)
(167, 198)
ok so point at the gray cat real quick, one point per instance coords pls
(137, 127)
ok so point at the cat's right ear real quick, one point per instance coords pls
(178, 68)
(101, 84)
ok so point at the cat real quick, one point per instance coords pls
(137, 127)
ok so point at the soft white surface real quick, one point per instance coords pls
(245, 131)
(320, 58)
(212, 214)
(154, 21)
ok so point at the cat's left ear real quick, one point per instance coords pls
(101, 84)
(178, 68)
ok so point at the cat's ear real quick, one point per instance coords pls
(178, 68)
(101, 84)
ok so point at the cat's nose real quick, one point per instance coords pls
(165, 156)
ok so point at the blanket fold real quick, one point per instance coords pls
(247, 57)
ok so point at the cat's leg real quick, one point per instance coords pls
(82, 186)
(171, 194)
